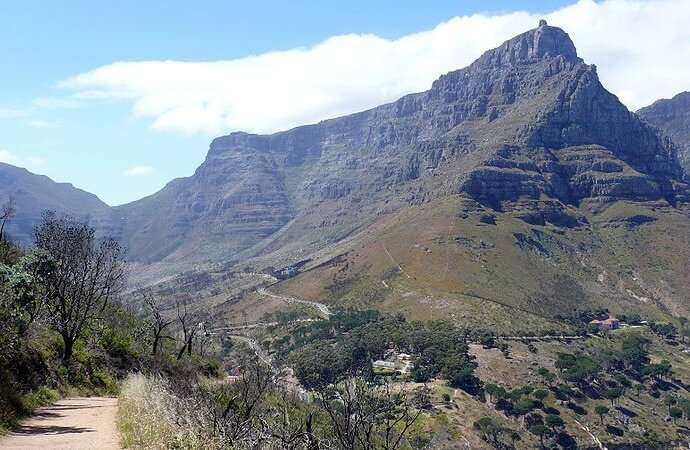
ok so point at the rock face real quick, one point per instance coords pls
(672, 116)
(527, 120)
(34, 194)
(518, 179)
(526, 129)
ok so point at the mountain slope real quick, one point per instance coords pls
(672, 116)
(514, 190)
(517, 187)
(34, 194)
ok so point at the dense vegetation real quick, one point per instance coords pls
(62, 328)
(54, 342)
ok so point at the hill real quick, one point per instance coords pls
(34, 194)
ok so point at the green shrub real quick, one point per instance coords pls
(41, 397)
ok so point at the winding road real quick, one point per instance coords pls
(322, 309)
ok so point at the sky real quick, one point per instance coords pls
(118, 98)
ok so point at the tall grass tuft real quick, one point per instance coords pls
(150, 416)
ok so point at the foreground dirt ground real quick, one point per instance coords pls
(75, 423)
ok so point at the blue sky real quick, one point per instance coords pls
(123, 131)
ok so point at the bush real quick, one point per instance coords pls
(36, 399)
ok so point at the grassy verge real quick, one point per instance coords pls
(21, 406)
(150, 416)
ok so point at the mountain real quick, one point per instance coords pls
(516, 187)
(34, 194)
(672, 116)
(513, 191)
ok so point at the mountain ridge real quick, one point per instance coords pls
(518, 179)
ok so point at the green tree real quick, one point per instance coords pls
(85, 275)
(659, 371)
(540, 394)
(613, 394)
(577, 368)
(553, 421)
(547, 376)
(495, 391)
(675, 413)
(490, 429)
(601, 411)
(540, 431)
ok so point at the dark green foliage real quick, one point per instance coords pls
(577, 368)
(553, 421)
(665, 330)
(523, 406)
(320, 365)
(613, 394)
(360, 337)
(540, 431)
(675, 413)
(490, 429)
(660, 371)
(540, 394)
(601, 411)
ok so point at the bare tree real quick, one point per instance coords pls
(286, 432)
(191, 325)
(7, 213)
(156, 319)
(236, 408)
(86, 273)
(364, 416)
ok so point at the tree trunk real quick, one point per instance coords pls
(156, 338)
(69, 349)
(181, 352)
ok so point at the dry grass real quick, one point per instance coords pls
(149, 417)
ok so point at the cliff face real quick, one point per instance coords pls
(516, 184)
(672, 116)
(528, 121)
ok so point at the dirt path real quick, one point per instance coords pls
(75, 423)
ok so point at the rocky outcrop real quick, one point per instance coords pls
(672, 116)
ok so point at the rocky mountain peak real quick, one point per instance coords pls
(527, 126)
(542, 42)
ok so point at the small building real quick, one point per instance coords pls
(400, 362)
(385, 365)
(607, 324)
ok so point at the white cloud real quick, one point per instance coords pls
(7, 156)
(136, 171)
(41, 124)
(640, 47)
(10, 113)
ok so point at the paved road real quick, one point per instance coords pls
(74, 424)
(320, 307)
